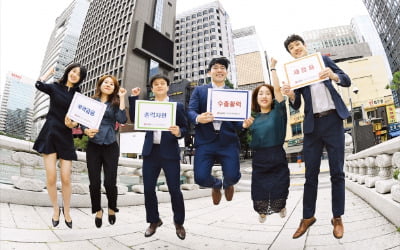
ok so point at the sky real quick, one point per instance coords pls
(26, 25)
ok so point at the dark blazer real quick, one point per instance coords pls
(341, 108)
(205, 133)
(169, 147)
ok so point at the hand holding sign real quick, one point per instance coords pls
(86, 111)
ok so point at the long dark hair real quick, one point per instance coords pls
(63, 80)
(255, 107)
(114, 97)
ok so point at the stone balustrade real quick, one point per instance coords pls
(373, 167)
(29, 160)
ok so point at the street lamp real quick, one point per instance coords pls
(353, 128)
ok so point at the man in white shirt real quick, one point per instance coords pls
(324, 112)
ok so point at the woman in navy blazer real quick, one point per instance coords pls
(161, 151)
(103, 151)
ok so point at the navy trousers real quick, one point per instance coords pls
(152, 166)
(226, 154)
(328, 132)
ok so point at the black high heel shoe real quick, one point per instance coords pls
(56, 222)
(99, 221)
(68, 223)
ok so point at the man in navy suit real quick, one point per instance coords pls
(161, 151)
(324, 112)
(214, 140)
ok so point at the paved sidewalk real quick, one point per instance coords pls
(230, 225)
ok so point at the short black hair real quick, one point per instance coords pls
(291, 39)
(158, 76)
(220, 60)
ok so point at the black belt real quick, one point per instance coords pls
(323, 114)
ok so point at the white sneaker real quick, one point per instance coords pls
(282, 213)
(262, 218)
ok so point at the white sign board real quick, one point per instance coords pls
(150, 115)
(86, 111)
(229, 104)
(132, 142)
(304, 71)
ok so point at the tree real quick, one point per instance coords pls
(81, 144)
(228, 83)
(396, 81)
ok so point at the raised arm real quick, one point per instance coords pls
(132, 102)
(275, 81)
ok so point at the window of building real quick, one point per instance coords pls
(296, 129)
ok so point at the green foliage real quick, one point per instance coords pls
(396, 173)
(398, 229)
(81, 143)
(396, 81)
(228, 83)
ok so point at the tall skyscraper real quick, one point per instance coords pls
(365, 31)
(386, 17)
(16, 106)
(60, 52)
(250, 59)
(130, 39)
(202, 33)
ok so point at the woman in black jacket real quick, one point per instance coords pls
(55, 140)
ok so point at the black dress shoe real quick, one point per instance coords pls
(111, 217)
(68, 223)
(99, 221)
(180, 231)
(56, 222)
(152, 228)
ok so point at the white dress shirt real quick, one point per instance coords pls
(157, 133)
(321, 98)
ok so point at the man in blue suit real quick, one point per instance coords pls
(324, 112)
(161, 151)
(214, 140)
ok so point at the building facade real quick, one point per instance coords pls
(339, 43)
(16, 106)
(251, 66)
(60, 52)
(365, 31)
(386, 17)
(202, 33)
(132, 40)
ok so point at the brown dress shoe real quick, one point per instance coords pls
(152, 228)
(180, 231)
(338, 228)
(304, 225)
(229, 193)
(216, 195)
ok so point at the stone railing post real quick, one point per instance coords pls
(187, 171)
(121, 188)
(27, 179)
(395, 191)
(351, 170)
(385, 182)
(372, 172)
(356, 169)
(362, 171)
(139, 188)
(77, 186)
